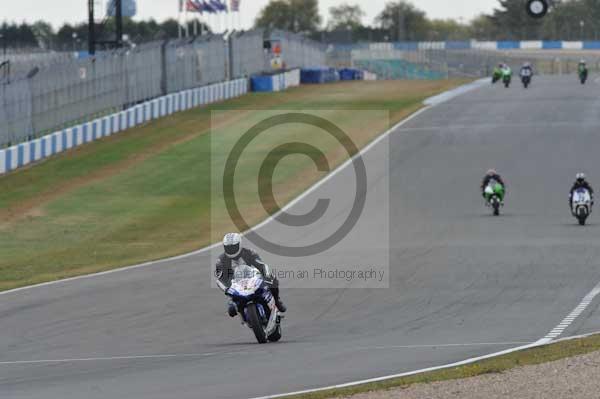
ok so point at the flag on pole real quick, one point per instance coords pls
(218, 5)
(234, 5)
(206, 6)
(194, 6)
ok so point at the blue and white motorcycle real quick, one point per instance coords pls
(581, 205)
(256, 305)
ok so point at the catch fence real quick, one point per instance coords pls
(45, 93)
(395, 61)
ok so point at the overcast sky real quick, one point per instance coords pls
(60, 11)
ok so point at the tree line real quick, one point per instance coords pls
(74, 37)
(400, 20)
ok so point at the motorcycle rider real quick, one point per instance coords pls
(234, 255)
(582, 68)
(506, 75)
(497, 74)
(526, 70)
(491, 175)
(580, 182)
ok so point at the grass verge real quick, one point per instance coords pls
(533, 356)
(146, 193)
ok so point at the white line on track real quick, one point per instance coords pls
(428, 104)
(409, 373)
(500, 125)
(550, 337)
(208, 354)
(451, 94)
(113, 358)
(571, 317)
(443, 345)
(268, 220)
(389, 377)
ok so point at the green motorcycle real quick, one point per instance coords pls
(583, 74)
(497, 75)
(506, 76)
(494, 196)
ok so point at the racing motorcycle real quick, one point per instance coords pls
(583, 75)
(494, 195)
(255, 303)
(496, 76)
(506, 77)
(581, 205)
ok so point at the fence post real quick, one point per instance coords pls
(230, 57)
(163, 67)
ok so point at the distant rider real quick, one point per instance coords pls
(526, 70)
(490, 176)
(497, 74)
(235, 255)
(582, 68)
(580, 182)
(506, 71)
(498, 69)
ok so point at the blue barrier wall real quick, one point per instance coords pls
(318, 75)
(406, 46)
(467, 45)
(458, 45)
(508, 45)
(351, 74)
(261, 83)
(591, 45)
(552, 45)
(276, 82)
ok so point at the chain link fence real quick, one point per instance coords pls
(298, 51)
(414, 63)
(20, 63)
(247, 54)
(54, 90)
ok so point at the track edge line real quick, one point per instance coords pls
(304, 194)
(539, 343)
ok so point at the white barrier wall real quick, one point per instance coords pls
(292, 78)
(431, 45)
(572, 45)
(484, 45)
(369, 75)
(22, 154)
(531, 45)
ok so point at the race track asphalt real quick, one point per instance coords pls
(462, 283)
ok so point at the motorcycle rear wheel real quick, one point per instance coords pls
(276, 335)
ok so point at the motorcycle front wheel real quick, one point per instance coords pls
(496, 206)
(255, 323)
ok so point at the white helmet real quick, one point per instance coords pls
(582, 61)
(580, 176)
(232, 244)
